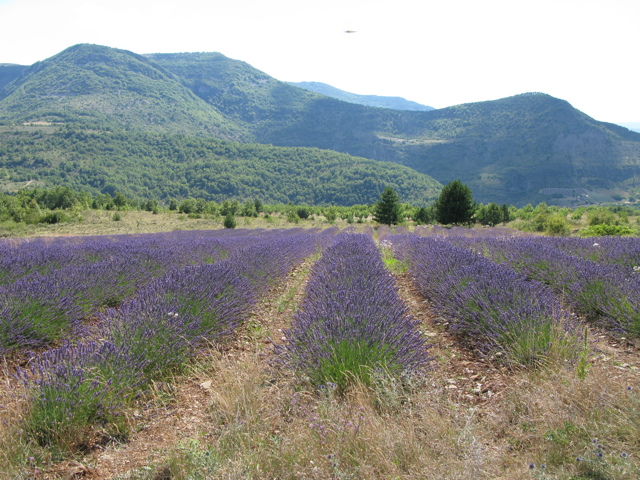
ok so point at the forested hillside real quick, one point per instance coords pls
(106, 87)
(178, 166)
(9, 72)
(507, 150)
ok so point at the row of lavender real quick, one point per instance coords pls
(157, 251)
(606, 292)
(624, 251)
(493, 306)
(47, 288)
(352, 322)
(149, 335)
(597, 278)
(45, 255)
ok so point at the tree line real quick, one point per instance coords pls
(454, 206)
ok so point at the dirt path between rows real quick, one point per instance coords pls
(471, 379)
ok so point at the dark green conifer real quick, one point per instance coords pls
(387, 210)
(455, 204)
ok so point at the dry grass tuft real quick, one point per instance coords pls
(12, 404)
(261, 427)
(556, 418)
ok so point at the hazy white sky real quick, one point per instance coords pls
(435, 52)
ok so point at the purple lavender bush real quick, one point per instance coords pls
(352, 322)
(81, 276)
(491, 305)
(36, 256)
(76, 393)
(176, 312)
(40, 310)
(624, 251)
(607, 295)
(151, 252)
(34, 313)
(168, 319)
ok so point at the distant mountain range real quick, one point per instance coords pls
(395, 103)
(527, 148)
(635, 126)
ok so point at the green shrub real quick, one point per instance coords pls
(556, 225)
(303, 212)
(292, 217)
(229, 221)
(604, 216)
(331, 214)
(577, 213)
(56, 216)
(602, 230)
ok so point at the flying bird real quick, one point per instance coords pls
(349, 31)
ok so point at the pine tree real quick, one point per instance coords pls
(455, 204)
(387, 210)
(505, 213)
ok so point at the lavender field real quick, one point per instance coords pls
(90, 326)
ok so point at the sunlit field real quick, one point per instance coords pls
(145, 348)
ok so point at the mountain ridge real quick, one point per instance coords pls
(507, 150)
(108, 86)
(394, 103)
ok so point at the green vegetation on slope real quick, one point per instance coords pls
(100, 86)
(507, 150)
(259, 103)
(9, 72)
(178, 166)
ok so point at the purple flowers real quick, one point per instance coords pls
(352, 322)
(604, 292)
(48, 288)
(490, 304)
(160, 323)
